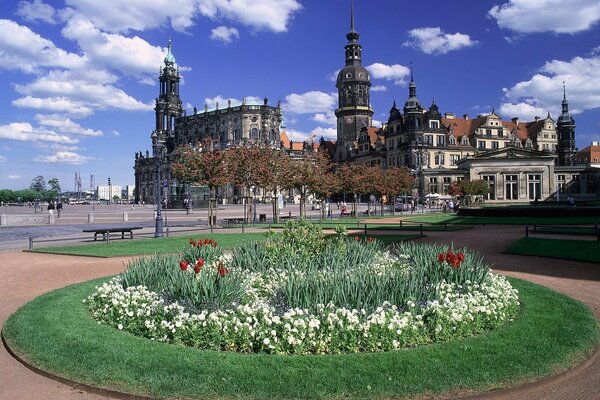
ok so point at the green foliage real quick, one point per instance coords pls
(302, 237)
(38, 184)
(478, 187)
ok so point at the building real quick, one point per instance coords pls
(108, 192)
(522, 161)
(229, 126)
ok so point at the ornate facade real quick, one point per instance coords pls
(230, 126)
(521, 161)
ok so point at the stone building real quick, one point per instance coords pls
(522, 161)
(227, 126)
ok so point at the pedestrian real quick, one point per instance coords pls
(59, 207)
(451, 206)
(51, 207)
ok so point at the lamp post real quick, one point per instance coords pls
(158, 149)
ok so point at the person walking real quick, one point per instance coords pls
(59, 207)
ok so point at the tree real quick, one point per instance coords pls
(454, 189)
(274, 176)
(396, 180)
(38, 184)
(324, 187)
(350, 179)
(54, 188)
(247, 166)
(203, 166)
(477, 187)
(304, 174)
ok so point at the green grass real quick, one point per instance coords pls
(566, 230)
(125, 248)
(387, 239)
(440, 218)
(56, 334)
(577, 250)
(149, 246)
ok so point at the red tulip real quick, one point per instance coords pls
(461, 257)
(356, 238)
(192, 242)
(222, 270)
(370, 239)
(183, 264)
(200, 261)
(441, 257)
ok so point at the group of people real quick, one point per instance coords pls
(58, 207)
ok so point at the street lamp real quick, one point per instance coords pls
(158, 150)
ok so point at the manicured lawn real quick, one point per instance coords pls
(56, 333)
(124, 248)
(437, 218)
(577, 250)
(567, 230)
(149, 246)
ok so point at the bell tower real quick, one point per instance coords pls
(354, 110)
(168, 103)
(565, 127)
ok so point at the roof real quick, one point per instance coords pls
(285, 140)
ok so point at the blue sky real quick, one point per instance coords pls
(78, 78)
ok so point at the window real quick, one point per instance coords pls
(512, 187)
(429, 140)
(434, 124)
(494, 145)
(491, 180)
(535, 186)
(447, 181)
(439, 159)
(454, 158)
(432, 185)
(441, 140)
(481, 144)
(451, 140)
(488, 132)
(560, 186)
(500, 133)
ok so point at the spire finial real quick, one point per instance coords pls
(394, 102)
(169, 42)
(169, 58)
(352, 16)
(564, 91)
(412, 78)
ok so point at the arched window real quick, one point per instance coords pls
(254, 133)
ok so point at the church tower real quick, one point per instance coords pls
(168, 103)
(566, 134)
(413, 111)
(354, 110)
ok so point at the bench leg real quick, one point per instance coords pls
(95, 236)
(123, 235)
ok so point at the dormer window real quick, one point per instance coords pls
(434, 124)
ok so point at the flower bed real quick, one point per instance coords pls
(302, 294)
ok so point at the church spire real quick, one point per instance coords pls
(352, 36)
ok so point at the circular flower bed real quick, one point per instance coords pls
(299, 293)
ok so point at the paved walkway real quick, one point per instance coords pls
(26, 276)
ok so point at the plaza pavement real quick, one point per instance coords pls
(28, 275)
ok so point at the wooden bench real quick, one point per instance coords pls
(105, 232)
(347, 214)
(233, 221)
(287, 217)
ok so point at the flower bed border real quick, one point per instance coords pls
(222, 375)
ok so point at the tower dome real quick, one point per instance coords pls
(169, 58)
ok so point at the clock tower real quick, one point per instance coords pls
(354, 110)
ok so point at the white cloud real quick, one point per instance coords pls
(558, 16)
(544, 90)
(140, 15)
(63, 157)
(22, 49)
(328, 118)
(115, 133)
(315, 134)
(63, 124)
(85, 96)
(224, 34)
(270, 15)
(525, 111)
(131, 55)
(378, 88)
(24, 132)
(13, 177)
(223, 102)
(310, 102)
(55, 104)
(36, 10)
(333, 76)
(2, 159)
(432, 40)
(395, 72)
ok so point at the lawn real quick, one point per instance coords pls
(126, 248)
(56, 333)
(440, 218)
(577, 250)
(149, 246)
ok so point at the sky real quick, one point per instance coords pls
(78, 78)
